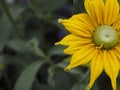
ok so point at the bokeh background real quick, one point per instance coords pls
(29, 60)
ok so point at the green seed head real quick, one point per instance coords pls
(105, 35)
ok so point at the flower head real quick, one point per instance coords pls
(95, 38)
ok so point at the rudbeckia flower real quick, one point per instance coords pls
(95, 38)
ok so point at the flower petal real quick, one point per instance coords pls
(73, 49)
(80, 24)
(111, 11)
(85, 20)
(96, 69)
(83, 56)
(111, 66)
(116, 24)
(72, 39)
(95, 10)
(117, 52)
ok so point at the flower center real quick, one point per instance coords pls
(105, 36)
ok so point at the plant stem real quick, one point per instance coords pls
(6, 10)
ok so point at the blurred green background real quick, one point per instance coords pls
(29, 60)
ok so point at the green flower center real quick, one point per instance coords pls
(106, 37)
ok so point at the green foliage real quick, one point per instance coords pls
(119, 1)
(17, 45)
(27, 76)
(56, 50)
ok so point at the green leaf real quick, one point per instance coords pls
(79, 86)
(4, 30)
(25, 47)
(63, 81)
(27, 76)
(7, 12)
(16, 11)
(119, 4)
(17, 45)
(56, 50)
(33, 46)
(52, 71)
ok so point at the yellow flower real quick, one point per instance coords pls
(95, 39)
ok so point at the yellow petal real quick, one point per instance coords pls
(85, 20)
(83, 56)
(111, 11)
(116, 24)
(117, 48)
(96, 69)
(111, 66)
(80, 24)
(72, 39)
(117, 52)
(73, 49)
(95, 10)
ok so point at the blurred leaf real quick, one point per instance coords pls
(27, 77)
(4, 30)
(16, 11)
(20, 14)
(52, 71)
(119, 4)
(79, 86)
(7, 12)
(63, 81)
(56, 50)
(18, 60)
(24, 47)
(17, 45)
(33, 46)
(51, 81)
(83, 82)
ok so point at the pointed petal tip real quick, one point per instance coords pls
(59, 20)
(66, 51)
(67, 68)
(57, 43)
